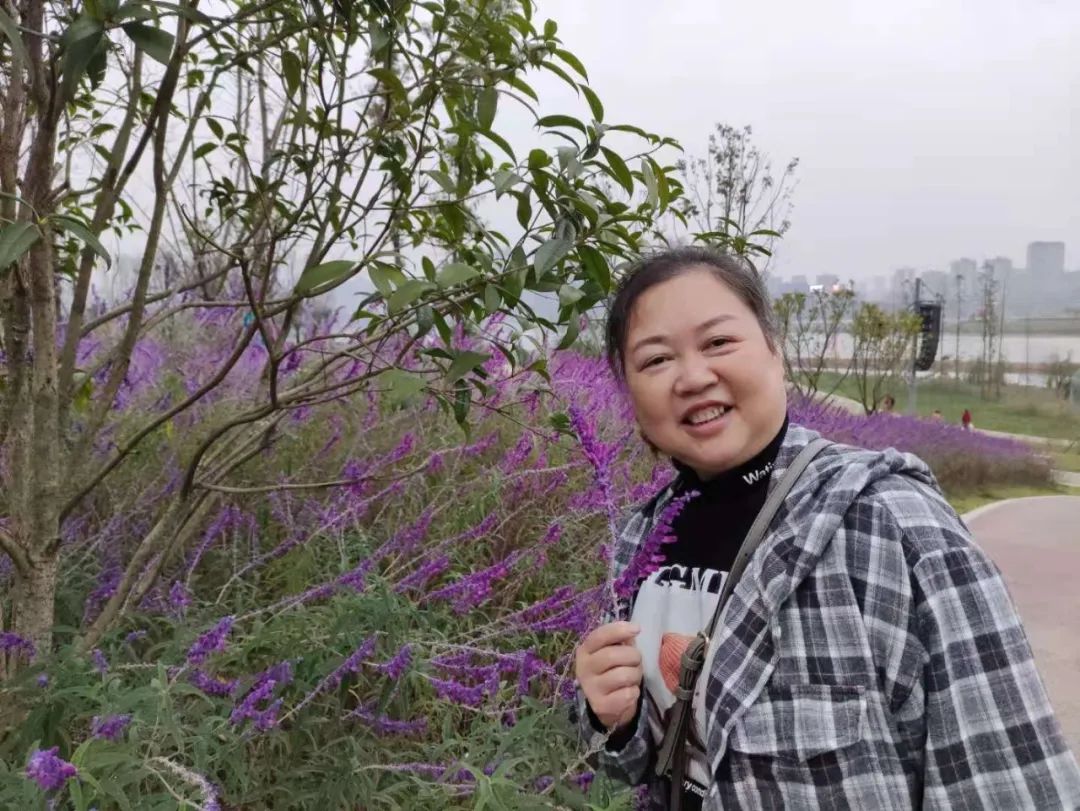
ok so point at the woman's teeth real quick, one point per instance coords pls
(706, 415)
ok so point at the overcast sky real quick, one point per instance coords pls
(926, 129)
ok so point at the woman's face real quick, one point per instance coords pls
(705, 387)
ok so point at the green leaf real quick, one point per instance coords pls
(596, 267)
(464, 362)
(390, 81)
(133, 10)
(444, 180)
(524, 209)
(385, 278)
(594, 102)
(80, 43)
(16, 238)
(500, 142)
(216, 128)
(523, 86)
(81, 232)
(492, 299)
(619, 169)
(538, 159)
(462, 401)
(653, 191)
(204, 149)
(11, 31)
(548, 255)
(402, 385)
(572, 61)
(573, 327)
(561, 121)
(486, 105)
(322, 274)
(157, 44)
(185, 11)
(505, 180)
(292, 69)
(407, 293)
(569, 295)
(456, 273)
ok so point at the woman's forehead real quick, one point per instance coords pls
(686, 302)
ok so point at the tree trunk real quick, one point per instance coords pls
(33, 599)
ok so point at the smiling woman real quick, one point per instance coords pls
(869, 656)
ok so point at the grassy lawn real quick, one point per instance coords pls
(1067, 461)
(971, 501)
(1021, 410)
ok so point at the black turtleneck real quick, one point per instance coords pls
(711, 527)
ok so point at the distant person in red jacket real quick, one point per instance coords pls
(965, 420)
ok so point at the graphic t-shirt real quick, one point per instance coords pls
(678, 600)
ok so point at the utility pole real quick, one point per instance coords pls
(959, 306)
(913, 388)
(1000, 371)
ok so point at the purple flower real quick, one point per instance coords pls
(101, 664)
(212, 641)
(472, 590)
(350, 665)
(48, 769)
(109, 728)
(134, 636)
(584, 780)
(553, 534)
(264, 686)
(248, 707)
(464, 694)
(42, 680)
(432, 568)
(649, 557)
(384, 725)
(210, 685)
(13, 643)
(396, 667)
(179, 598)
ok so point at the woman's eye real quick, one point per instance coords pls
(716, 343)
(655, 361)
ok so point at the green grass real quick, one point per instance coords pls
(970, 501)
(1021, 409)
(1067, 461)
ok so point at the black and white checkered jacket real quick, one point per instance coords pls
(870, 658)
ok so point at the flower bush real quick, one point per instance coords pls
(381, 614)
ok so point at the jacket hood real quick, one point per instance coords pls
(814, 509)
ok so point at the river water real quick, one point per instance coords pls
(1016, 348)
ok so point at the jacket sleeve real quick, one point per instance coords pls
(625, 756)
(628, 755)
(992, 740)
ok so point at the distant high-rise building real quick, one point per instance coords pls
(936, 283)
(799, 284)
(963, 267)
(1046, 258)
(828, 281)
(1002, 267)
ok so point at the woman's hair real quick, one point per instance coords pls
(657, 268)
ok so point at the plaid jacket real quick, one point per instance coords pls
(870, 658)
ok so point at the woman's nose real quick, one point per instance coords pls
(695, 374)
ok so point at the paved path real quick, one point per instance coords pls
(1067, 478)
(1036, 544)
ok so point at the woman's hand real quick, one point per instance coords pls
(608, 668)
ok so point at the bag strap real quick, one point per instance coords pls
(672, 754)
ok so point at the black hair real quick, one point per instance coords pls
(734, 273)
